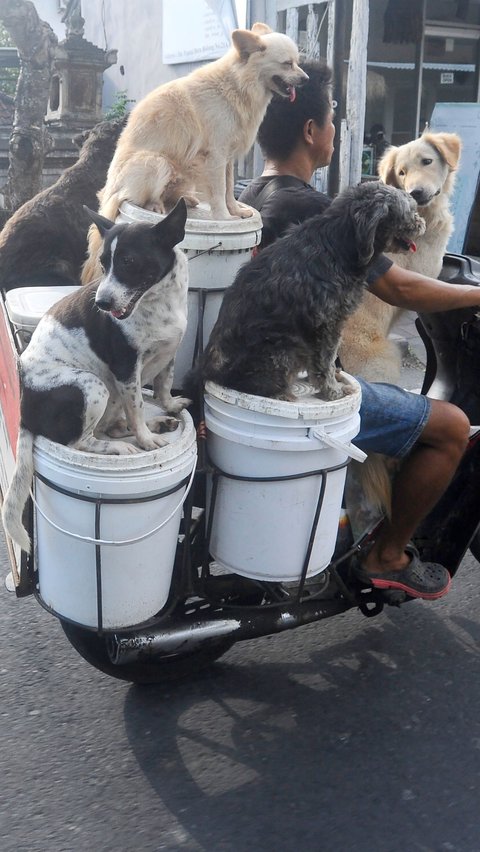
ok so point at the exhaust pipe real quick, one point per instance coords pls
(183, 635)
(148, 643)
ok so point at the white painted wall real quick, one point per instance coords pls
(48, 10)
(134, 29)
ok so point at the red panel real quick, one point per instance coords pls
(9, 381)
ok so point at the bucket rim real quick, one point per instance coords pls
(139, 462)
(195, 224)
(26, 305)
(309, 408)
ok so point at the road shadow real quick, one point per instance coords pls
(371, 742)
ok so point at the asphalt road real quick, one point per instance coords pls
(354, 734)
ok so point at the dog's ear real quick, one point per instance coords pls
(101, 222)
(448, 145)
(261, 29)
(80, 138)
(172, 228)
(367, 215)
(246, 42)
(386, 167)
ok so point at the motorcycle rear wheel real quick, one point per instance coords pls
(171, 667)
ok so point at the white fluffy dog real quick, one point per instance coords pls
(182, 138)
(425, 168)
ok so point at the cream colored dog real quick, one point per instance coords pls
(426, 169)
(182, 138)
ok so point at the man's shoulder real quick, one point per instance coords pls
(254, 188)
(306, 198)
(298, 192)
(287, 204)
(291, 205)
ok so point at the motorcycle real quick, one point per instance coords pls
(209, 611)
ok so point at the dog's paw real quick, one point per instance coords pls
(119, 429)
(243, 211)
(177, 404)
(120, 448)
(155, 207)
(332, 392)
(152, 442)
(105, 447)
(191, 200)
(246, 213)
(162, 424)
(346, 387)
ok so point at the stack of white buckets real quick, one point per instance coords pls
(273, 454)
(107, 527)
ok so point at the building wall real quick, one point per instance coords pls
(134, 29)
(451, 60)
(393, 64)
(48, 10)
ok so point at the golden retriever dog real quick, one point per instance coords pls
(183, 137)
(426, 169)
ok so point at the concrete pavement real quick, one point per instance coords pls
(405, 335)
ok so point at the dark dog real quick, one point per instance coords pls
(84, 368)
(285, 311)
(45, 241)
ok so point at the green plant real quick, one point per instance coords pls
(119, 106)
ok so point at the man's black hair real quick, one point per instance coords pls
(284, 120)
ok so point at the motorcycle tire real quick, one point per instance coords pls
(171, 667)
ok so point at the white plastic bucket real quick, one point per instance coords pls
(262, 529)
(216, 250)
(27, 305)
(110, 585)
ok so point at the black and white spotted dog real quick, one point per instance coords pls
(285, 311)
(83, 370)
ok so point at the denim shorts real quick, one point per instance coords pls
(392, 419)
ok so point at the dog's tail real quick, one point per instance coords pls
(91, 268)
(18, 492)
(376, 479)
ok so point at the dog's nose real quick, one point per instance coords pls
(103, 304)
(417, 194)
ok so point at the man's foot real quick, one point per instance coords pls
(426, 580)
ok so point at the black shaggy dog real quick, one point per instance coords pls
(45, 240)
(285, 310)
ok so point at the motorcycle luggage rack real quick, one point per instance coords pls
(99, 503)
(189, 578)
(217, 474)
(206, 467)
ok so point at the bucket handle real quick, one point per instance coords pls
(351, 450)
(124, 541)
